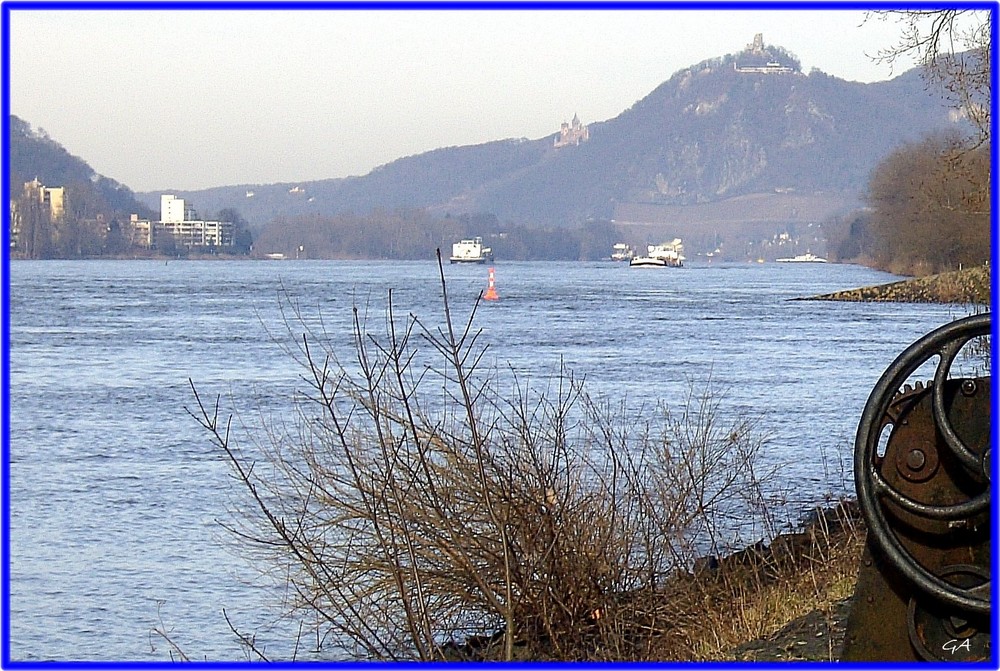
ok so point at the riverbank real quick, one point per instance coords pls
(794, 605)
(788, 600)
(970, 286)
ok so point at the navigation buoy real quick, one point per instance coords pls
(491, 290)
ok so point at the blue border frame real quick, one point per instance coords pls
(5, 368)
(349, 5)
(733, 5)
(994, 346)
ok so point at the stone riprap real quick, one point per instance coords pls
(966, 287)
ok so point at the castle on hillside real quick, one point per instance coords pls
(756, 59)
(572, 133)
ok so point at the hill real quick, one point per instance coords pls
(720, 138)
(33, 154)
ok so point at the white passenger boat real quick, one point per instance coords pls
(622, 252)
(667, 255)
(471, 251)
(802, 258)
(646, 262)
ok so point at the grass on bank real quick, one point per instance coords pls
(821, 576)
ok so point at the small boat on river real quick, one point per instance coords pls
(646, 262)
(622, 252)
(802, 258)
(471, 251)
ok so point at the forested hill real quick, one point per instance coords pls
(711, 134)
(33, 154)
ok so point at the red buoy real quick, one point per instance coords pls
(491, 290)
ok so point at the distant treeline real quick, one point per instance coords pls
(929, 210)
(416, 234)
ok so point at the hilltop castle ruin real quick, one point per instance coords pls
(756, 59)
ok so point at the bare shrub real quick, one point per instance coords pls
(431, 507)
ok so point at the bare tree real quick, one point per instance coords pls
(35, 239)
(420, 508)
(954, 46)
(930, 208)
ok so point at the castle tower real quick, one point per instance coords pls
(572, 133)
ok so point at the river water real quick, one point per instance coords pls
(118, 498)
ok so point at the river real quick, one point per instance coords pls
(118, 498)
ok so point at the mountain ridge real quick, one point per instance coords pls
(708, 134)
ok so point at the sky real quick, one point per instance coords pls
(190, 99)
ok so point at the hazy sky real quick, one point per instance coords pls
(188, 99)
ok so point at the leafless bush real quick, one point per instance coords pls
(420, 510)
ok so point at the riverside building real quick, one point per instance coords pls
(179, 220)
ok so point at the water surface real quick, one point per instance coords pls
(117, 495)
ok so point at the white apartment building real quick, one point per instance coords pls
(180, 220)
(172, 209)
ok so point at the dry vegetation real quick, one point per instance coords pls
(930, 208)
(814, 579)
(418, 509)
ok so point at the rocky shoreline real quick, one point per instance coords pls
(970, 286)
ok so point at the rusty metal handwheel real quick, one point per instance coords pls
(872, 488)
